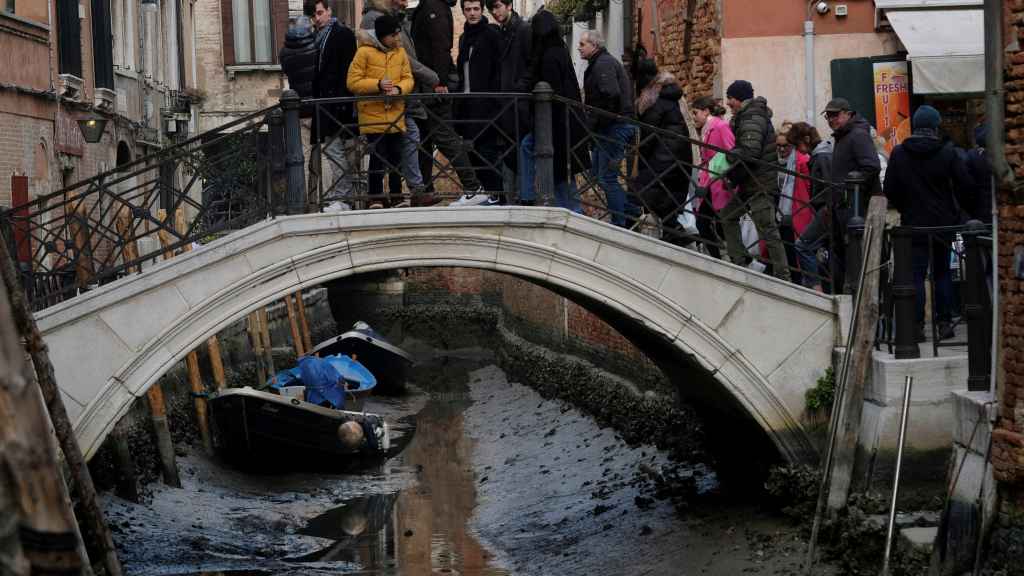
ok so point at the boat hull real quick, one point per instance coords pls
(388, 363)
(260, 427)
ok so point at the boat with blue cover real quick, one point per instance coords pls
(311, 415)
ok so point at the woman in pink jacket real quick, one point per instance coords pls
(715, 131)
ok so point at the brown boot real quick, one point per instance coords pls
(424, 199)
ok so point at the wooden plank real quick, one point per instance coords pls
(865, 319)
(268, 346)
(293, 323)
(220, 382)
(195, 382)
(84, 489)
(30, 488)
(303, 324)
(255, 338)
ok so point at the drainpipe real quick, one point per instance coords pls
(809, 62)
(995, 93)
(996, 150)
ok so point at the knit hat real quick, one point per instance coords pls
(927, 118)
(740, 90)
(385, 25)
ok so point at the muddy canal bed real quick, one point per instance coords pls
(486, 478)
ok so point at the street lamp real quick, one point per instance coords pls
(92, 128)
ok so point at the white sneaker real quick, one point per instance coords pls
(475, 199)
(492, 200)
(337, 206)
(757, 266)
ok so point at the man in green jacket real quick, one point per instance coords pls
(753, 173)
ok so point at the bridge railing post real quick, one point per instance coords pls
(977, 309)
(294, 161)
(278, 166)
(854, 231)
(903, 294)
(544, 148)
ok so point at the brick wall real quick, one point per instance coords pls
(1008, 439)
(533, 313)
(699, 76)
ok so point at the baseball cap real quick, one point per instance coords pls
(838, 105)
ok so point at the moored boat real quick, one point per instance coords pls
(265, 428)
(388, 363)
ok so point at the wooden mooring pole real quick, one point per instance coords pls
(84, 489)
(303, 324)
(293, 322)
(37, 528)
(155, 394)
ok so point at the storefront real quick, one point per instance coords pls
(943, 65)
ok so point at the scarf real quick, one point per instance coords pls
(786, 184)
(321, 41)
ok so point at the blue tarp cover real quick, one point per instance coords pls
(326, 378)
(321, 382)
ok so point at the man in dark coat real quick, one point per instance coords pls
(298, 57)
(853, 150)
(479, 55)
(754, 162)
(433, 33)
(928, 183)
(515, 64)
(333, 127)
(981, 173)
(550, 62)
(607, 87)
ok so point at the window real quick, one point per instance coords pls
(102, 44)
(253, 30)
(69, 39)
(9, 6)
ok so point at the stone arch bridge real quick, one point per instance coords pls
(760, 342)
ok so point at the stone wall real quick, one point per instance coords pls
(699, 76)
(1008, 438)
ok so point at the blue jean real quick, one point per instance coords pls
(807, 245)
(410, 154)
(566, 194)
(606, 156)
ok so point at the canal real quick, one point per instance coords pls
(485, 478)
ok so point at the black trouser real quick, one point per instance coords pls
(385, 157)
(710, 228)
(485, 155)
(436, 131)
(788, 234)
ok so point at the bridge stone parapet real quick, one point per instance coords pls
(764, 341)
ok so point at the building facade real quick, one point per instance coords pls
(126, 61)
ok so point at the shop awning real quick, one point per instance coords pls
(945, 41)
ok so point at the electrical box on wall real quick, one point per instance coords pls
(841, 10)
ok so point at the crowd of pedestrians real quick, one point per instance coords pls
(773, 196)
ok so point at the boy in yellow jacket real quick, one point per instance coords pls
(380, 67)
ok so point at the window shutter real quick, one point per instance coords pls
(102, 44)
(227, 33)
(69, 30)
(279, 14)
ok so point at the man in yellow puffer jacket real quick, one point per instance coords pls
(380, 67)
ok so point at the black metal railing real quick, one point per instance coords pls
(537, 145)
(955, 263)
(104, 227)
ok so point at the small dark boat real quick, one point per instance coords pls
(264, 428)
(389, 363)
